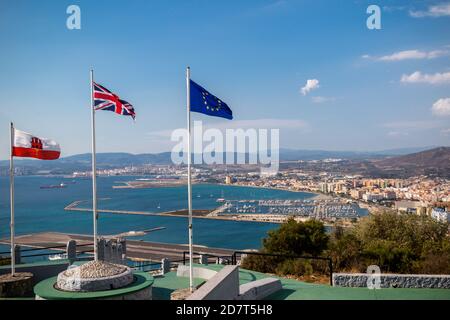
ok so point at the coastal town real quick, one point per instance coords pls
(420, 195)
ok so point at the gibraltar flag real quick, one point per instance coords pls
(27, 145)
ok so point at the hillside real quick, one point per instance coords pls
(434, 162)
(389, 163)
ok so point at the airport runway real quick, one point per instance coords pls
(139, 250)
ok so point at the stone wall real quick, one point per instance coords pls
(393, 280)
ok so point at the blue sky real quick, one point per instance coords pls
(376, 88)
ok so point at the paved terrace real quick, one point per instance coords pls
(149, 251)
(164, 285)
(298, 290)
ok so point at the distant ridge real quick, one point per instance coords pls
(294, 154)
(118, 158)
(124, 158)
(389, 162)
(430, 162)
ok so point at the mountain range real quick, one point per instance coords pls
(435, 162)
(405, 161)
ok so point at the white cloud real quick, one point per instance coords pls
(437, 53)
(440, 10)
(441, 107)
(393, 8)
(397, 134)
(418, 77)
(412, 54)
(311, 84)
(446, 132)
(320, 99)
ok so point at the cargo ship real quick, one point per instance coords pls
(54, 186)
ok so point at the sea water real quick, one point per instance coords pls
(41, 210)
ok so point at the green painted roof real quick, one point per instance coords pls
(164, 285)
(298, 290)
(46, 290)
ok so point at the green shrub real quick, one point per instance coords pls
(397, 243)
(4, 261)
(261, 263)
(294, 239)
(297, 267)
(297, 238)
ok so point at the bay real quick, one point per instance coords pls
(41, 210)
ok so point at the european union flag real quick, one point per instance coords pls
(204, 102)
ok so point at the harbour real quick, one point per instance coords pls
(266, 211)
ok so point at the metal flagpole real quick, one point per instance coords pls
(94, 170)
(11, 193)
(188, 97)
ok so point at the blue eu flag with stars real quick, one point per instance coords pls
(204, 102)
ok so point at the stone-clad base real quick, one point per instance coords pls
(393, 280)
(18, 286)
(95, 276)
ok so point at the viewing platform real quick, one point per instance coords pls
(164, 285)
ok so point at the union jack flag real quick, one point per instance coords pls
(106, 100)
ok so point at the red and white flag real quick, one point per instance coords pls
(27, 145)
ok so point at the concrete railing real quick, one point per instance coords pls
(224, 285)
(202, 273)
(259, 289)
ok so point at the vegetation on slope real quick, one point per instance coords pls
(397, 243)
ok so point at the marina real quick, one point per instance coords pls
(317, 209)
(272, 211)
